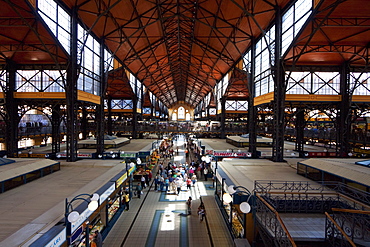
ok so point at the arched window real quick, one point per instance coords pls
(187, 116)
(174, 116)
(181, 112)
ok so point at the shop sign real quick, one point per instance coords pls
(83, 217)
(127, 155)
(209, 152)
(107, 193)
(37, 155)
(230, 154)
(61, 155)
(84, 155)
(79, 155)
(121, 180)
(58, 240)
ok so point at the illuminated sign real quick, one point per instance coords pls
(58, 240)
(231, 154)
(107, 193)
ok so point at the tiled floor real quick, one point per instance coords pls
(305, 227)
(162, 221)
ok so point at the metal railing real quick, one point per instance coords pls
(302, 190)
(353, 224)
(269, 218)
(334, 234)
(309, 197)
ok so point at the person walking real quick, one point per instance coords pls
(205, 172)
(156, 182)
(138, 190)
(167, 183)
(201, 212)
(143, 182)
(188, 203)
(188, 183)
(161, 183)
(127, 201)
(194, 179)
(178, 185)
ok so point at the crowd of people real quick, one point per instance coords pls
(172, 177)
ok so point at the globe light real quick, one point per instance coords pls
(93, 205)
(73, 216)
(227, 198)
(95, 197)
(245, 207)
(231, 189)
(207, 159)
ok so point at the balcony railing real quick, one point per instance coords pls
(347, 220)
(354, 224)
(269, 218)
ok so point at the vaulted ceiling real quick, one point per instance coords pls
(180, 49)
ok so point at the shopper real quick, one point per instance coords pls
(127, 201)
(201, 212)
(178, 185)
(92, 240)
(161, 183)
(98, 239)
(139, 190)
(167, 183)
(188, 183)
(156, 182)
(143, 185)
(188, 203)
(205, 172)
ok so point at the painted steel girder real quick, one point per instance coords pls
(351, 49)
(344, 22)
(147, 49)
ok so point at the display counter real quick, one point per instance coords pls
(113, 208)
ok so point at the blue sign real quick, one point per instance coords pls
(58, 240)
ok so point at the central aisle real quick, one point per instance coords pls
(160, 219)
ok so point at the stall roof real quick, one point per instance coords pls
(344, 168)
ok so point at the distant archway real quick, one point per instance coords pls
(181, 112)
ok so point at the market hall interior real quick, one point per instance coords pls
(287, 78)
(30, 210)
